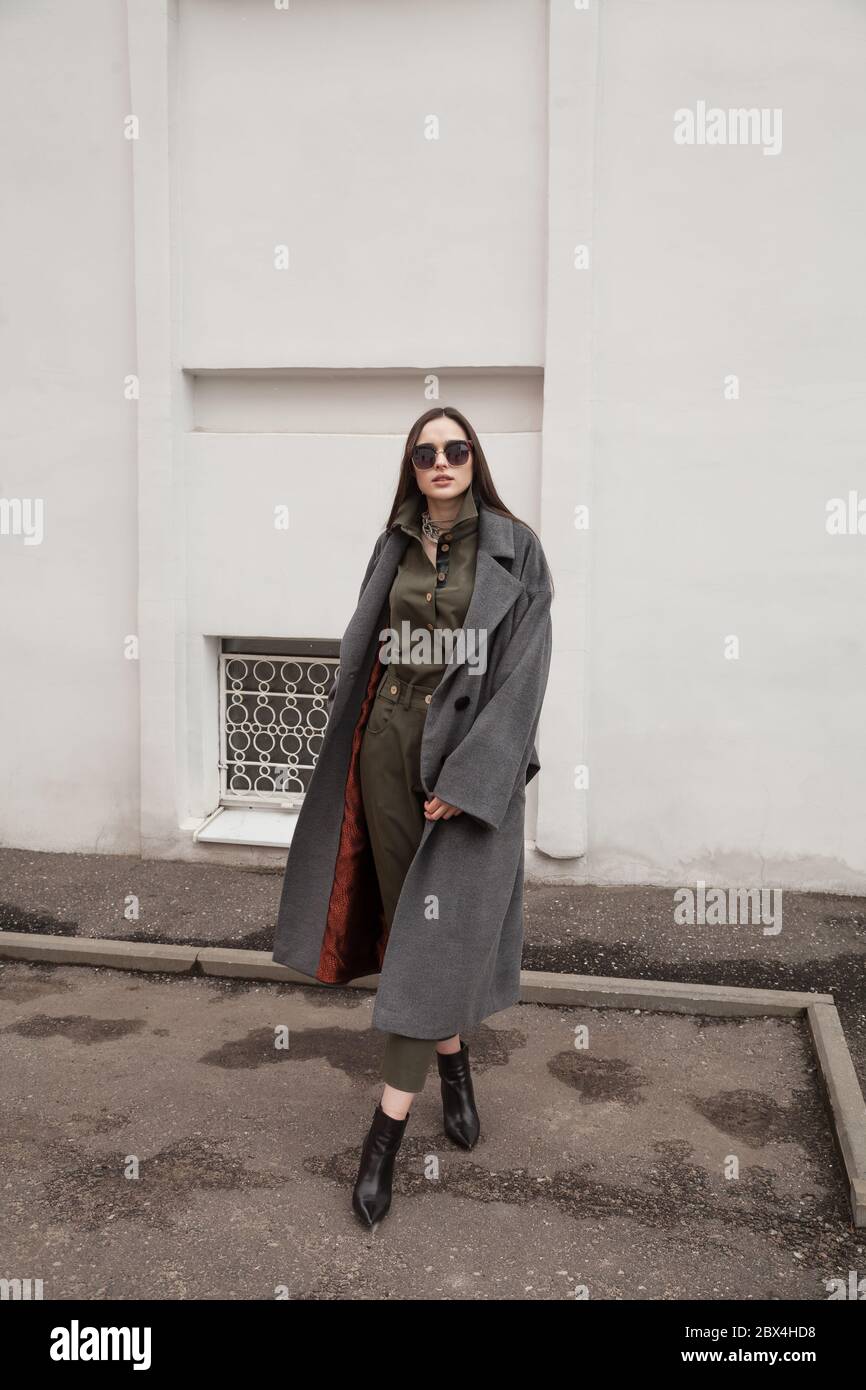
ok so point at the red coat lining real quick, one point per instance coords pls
(356, 932)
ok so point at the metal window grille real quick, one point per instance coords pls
(273, 713)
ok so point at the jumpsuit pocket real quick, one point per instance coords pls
(381, 713)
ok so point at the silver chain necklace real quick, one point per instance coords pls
(433, 529)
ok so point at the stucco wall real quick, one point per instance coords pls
(710, 512)
(68, 697)
(452, 257)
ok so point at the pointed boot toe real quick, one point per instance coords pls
(459, 1114)
(371, 1196)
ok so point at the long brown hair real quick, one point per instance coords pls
(483, 487)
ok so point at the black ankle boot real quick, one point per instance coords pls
(371, 1197)
(462, 1124)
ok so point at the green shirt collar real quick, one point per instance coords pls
(409, 515)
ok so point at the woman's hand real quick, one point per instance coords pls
(434, 809)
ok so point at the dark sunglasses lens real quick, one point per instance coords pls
(457, 452)
(423, 456)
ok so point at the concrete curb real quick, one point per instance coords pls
(847, 1108)
(610, 992)
(845, 1097)
(86, 950)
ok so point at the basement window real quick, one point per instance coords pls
(273, 711)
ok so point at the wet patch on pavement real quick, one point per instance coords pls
(598, 1079)
(79, 1028)
(15, 918)
(356, 1052)
(760, 1119)
(88, 1193)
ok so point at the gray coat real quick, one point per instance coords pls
(454, 949)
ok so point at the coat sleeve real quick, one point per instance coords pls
(481, 775)
(371, 565)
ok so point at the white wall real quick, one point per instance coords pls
(408, 257)
(307, 127)
(710, 513)
(68, 698)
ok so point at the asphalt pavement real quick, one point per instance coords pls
(158, 1143)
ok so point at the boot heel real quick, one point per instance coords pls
(459, 1114)
(371, 1197)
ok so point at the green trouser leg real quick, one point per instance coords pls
(390, 767)
(407, 1061)
(394, 811)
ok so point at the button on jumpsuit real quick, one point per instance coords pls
(426, 597)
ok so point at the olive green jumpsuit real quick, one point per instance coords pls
(427, 597)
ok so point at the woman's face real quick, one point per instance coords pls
(444, 479)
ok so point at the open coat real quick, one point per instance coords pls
(453, 953)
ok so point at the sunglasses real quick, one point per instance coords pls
(456, 451)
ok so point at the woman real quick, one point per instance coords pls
(407, 857)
